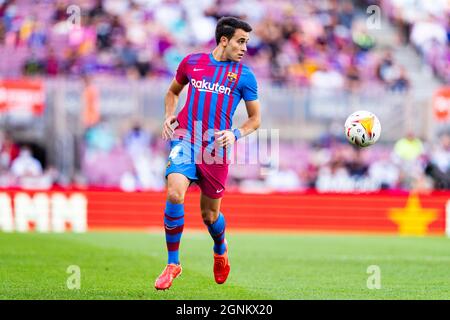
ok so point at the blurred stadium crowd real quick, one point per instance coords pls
(321, 44)
(301, 43)
(425, 25)
(298, 42)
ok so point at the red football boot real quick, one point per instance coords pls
(170, 272)
(221, 266)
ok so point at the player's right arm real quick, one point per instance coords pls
(172, 96)
(170, 102)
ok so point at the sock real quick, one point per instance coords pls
(173, 226)
(217, 232)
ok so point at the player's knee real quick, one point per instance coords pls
(209, 216)
(175, 196)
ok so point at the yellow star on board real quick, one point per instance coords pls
(413, 219)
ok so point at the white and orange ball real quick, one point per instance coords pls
(362, 128)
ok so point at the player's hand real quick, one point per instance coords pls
(225, 138)
(167, 131)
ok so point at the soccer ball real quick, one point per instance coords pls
(362, 128)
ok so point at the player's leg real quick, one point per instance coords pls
(180, 172)
(212, 180)
(177, 185)
(212, 183)
(215, 222)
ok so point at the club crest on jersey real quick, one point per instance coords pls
(232, 76)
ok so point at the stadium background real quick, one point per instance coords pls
(81, 108)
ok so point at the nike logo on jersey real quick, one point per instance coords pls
(219, 191)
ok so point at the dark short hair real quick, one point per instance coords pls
(226, 26)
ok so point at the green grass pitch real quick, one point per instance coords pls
(263, 266)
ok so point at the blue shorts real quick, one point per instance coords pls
(181, 160)
(211, 178)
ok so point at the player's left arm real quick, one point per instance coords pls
(227, 138)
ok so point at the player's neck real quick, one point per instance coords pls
(219, 54)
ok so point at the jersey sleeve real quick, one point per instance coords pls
(181, 75)
(250, 87)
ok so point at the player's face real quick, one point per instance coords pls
(237, 46)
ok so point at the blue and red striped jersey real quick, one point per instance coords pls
(215, 90)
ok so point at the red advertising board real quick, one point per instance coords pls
(402, 213)
(24, 96)
(441, 104)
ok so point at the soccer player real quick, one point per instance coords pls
(203, 136)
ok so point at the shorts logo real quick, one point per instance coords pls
(168, 163)
(232, 76)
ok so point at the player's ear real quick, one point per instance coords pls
(224, 41)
